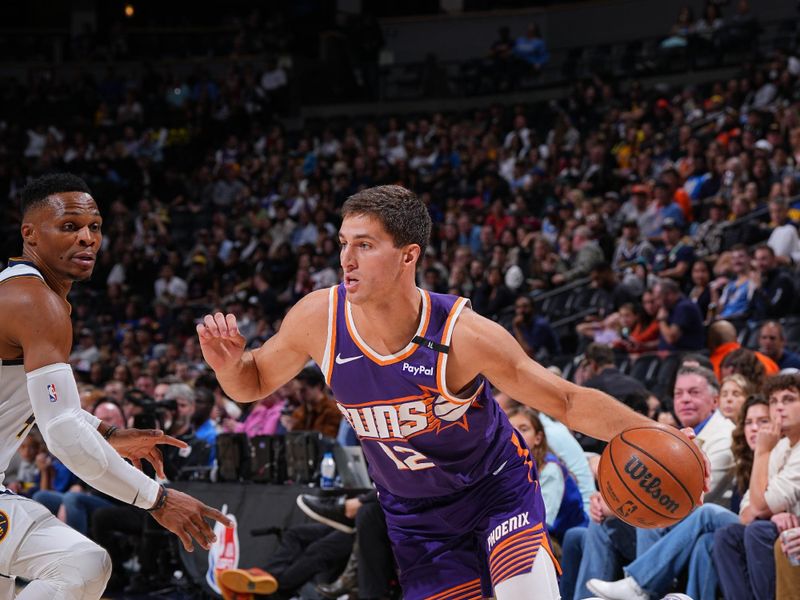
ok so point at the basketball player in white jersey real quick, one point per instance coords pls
(61, 232)
(408, 368)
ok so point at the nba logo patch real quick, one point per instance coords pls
(51, 391)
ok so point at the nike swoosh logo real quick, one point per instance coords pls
(500, 468)
(342, 361)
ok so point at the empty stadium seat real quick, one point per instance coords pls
(645, 369)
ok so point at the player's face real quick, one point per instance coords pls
(371, 262)
(694, 400)
(65, 234)
(757, 417)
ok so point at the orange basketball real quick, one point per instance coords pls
(651, 476)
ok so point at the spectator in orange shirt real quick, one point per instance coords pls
(722, 341)
(673, 180)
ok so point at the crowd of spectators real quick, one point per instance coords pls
(674, 209)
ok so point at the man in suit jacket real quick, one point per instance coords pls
(695, 399)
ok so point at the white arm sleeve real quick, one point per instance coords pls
(93, 421)
(71, 438)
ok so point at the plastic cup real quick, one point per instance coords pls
(787, 535)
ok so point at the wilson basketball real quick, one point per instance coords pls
(651, 476)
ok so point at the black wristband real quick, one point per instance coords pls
(162, 500)
(109, 432)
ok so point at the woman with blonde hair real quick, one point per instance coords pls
(735, 388)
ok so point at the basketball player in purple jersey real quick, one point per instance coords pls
(410, 370)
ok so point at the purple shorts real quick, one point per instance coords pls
(458, 547)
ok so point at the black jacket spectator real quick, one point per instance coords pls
(615, 383)
(607, 377)
(775, 297)
(680, 321)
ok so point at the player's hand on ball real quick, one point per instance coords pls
(187, 518)
(220, 340)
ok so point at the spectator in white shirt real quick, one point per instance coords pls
(783, 239)
(170, 284)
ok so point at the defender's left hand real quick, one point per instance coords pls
(138, 444)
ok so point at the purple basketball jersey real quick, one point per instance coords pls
(420, 439)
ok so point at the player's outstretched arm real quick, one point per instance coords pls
(247, 376)
(482, 346)
(43, 330)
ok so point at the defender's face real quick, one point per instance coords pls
(65, 233)
(371, 263)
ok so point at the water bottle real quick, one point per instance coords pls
(327, 471)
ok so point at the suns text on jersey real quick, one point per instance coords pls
(402, 418)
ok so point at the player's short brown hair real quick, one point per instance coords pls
(400, 211)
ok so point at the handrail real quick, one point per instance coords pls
(574, 318)
(567, 287)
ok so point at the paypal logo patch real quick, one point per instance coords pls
(417, 370)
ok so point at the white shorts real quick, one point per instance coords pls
(541, 582)
(29, 533)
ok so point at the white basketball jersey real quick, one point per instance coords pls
(16, 414)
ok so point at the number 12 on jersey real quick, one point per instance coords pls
(415, 461)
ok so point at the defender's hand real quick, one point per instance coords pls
(138, 444)
(220, 341)
(187, 517)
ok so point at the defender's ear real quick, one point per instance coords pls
(29, 234)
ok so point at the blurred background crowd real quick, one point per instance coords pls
(611, 230)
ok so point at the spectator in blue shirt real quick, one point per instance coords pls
(469, 234)
(679, 320)
(205, 429)
(674, 259)
(531, 48)
(738, 288)
(533, 332)
(663, 208)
